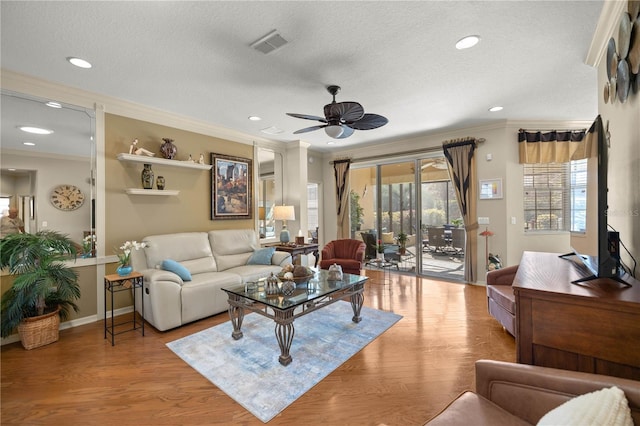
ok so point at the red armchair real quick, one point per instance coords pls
(347, 253)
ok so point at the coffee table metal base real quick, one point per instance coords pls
(284, 317)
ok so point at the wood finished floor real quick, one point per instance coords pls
(404, 377)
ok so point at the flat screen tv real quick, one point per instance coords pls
(591, 241)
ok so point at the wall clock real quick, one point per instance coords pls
(67, 197)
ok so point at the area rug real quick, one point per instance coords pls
(248, 369)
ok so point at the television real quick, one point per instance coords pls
(591, 241)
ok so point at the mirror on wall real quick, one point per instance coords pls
(266, 193)
(47, 166)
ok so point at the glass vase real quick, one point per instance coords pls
(123, 271)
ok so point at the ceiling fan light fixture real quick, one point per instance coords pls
(334, 131)
(467, 42)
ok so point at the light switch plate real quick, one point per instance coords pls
(483, 221)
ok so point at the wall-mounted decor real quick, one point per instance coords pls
(491, 189)
(231, 187)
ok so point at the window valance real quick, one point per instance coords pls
(555, 146)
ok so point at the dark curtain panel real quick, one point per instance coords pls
(341, 172)
(462, 170)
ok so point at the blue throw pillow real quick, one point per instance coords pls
(176, 268)
(261, 256)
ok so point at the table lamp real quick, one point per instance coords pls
(284, 213)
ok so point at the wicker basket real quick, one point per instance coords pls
(39, 331)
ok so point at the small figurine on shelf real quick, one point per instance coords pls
(133, 149)
(201, 159)
(190, 159)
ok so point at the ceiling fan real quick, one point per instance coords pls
(342, 118)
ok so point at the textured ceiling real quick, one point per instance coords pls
(396, 58)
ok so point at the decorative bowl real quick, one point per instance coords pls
(298, 280)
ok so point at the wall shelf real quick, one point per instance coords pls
(143, 159)
(138, 191)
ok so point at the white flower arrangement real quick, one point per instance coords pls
(124, 258)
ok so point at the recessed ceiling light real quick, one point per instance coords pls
(467, 42)
(53, 104)
(35, 130)
(254, 118)
(331, 143)
(28, 143)
(12, 170)
(81, 63)
(495, 109)
(273, 130)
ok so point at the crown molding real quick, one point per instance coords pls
(607, 24)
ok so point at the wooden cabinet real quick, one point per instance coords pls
(593, 327)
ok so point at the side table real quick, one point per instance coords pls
(386, 266)
(114, 283)
(297, 250)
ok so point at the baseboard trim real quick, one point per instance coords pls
(74, 323)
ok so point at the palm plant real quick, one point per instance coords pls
(43, 282)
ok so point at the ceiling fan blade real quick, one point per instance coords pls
(344, 111)
(368, 122)
(310, 129)
(307, 117)
(346, 132)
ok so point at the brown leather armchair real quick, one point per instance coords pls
(500, 298)
(519, 394)
(345, 252)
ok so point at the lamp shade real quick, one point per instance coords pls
(284, 213)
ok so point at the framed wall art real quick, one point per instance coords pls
(231, 187)
(491, 189)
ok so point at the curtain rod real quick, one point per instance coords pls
(551, 130)
(400, 154)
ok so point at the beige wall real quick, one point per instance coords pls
(132, 217)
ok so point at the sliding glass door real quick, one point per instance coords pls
(394, 200)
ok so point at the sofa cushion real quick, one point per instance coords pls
(472, 409)
(191, 249)
(603, 407)
(261, 256)
(503, 295)
(233, 247)
(387, 238)
(176, 268)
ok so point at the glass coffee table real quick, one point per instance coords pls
(305, 299)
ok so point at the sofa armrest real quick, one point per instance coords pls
(529, 391)
(281, 258)
(153, 275)
(504, 276)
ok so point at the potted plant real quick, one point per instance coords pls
(402, 241)
(44, 288)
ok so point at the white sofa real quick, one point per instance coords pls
(215, 259)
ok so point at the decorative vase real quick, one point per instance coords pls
(147, 177)
(168, 149)
(380, 256)
(160, 182)
(123, 271)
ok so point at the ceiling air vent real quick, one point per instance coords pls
(269, 43)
